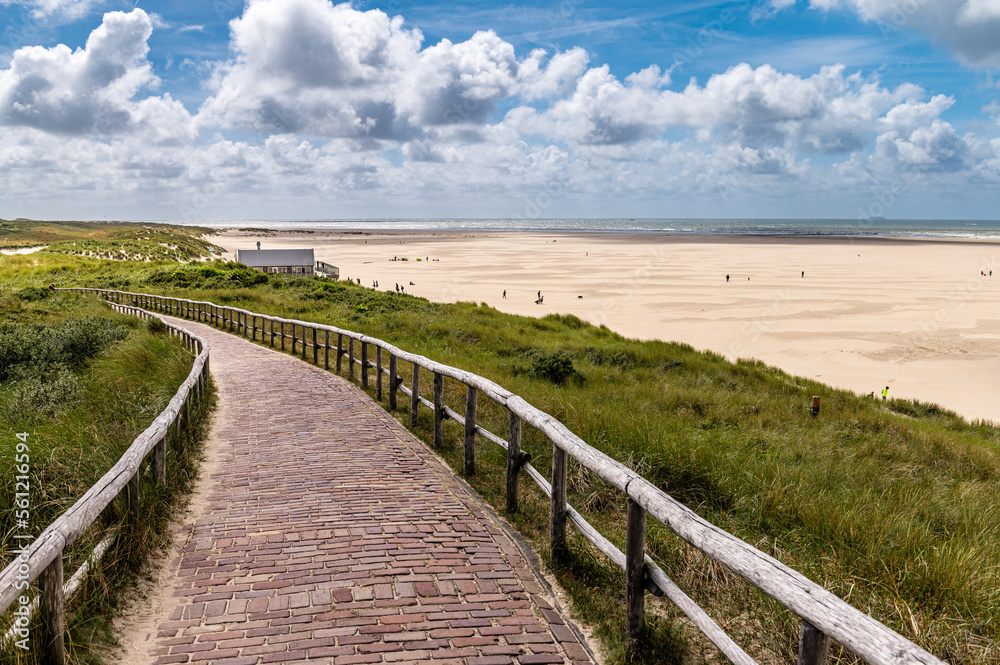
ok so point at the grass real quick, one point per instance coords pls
(894, 506)
(114, 374)
(109, 240)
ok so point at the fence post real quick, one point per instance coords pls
(133, 503)
(326, 349)
(295, 339)
(469, 464)
(350, 357)
(378, 373)
(340, 350)
(393, 382)
(813, 645)
(282, 335)
(438, 410)
(635, 575)
(513, 458)
(272, 332)
(160, 458)
(415, 396)
(557, 509)
(364, 364)
(305, 337)
(315, 349)
(50, 583)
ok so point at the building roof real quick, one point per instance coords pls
(267, 258)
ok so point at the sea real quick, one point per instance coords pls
(902, 228)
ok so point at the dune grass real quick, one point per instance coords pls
(82, 382)
(894, 506)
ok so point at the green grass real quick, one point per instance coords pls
(115, 374)
(110, 240)
(893, 506)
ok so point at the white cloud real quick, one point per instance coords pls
(91, 90)
(970, 28)
(60, 10)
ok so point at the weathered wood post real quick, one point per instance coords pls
(378, 373)
(272, 333)
(438, 410)
(635, 575)
(282, 335)
(340, 350)
(295, 339)
(50, 583)
(315, 348)
(557, 509)
(513, 458)
(305, 338)
(393, 382)
(326, 349)
(133, 503)
(160, 458)
(364, 364)
(813, 645)
(350, 357)
(469, 461)
(415, 395)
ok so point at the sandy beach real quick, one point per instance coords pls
(920, 316)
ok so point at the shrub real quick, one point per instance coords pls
(556, 366)
(32, 293)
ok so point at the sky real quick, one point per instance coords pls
(307, 109)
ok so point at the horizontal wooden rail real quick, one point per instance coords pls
(43, 558)
(824, 615)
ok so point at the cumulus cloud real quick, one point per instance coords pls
(968, 27)
(331, 70)
(91, 90)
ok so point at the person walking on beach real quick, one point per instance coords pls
(539, 295)
(505, 294)
(727, 278)
(885, 393)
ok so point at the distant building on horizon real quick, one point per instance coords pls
(283, 261)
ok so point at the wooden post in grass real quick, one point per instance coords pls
(513, 458)
(415, 396)
(350, 357)
(438, 410)
(469, 459)
(295, 339)
(378, 373)
(635, 575)
(557, 509)
(393, 382)
(160, 457)
(364, 364)
(50, 583)
(326, 349)
(815, 406)
(813, 645)
(340, 350)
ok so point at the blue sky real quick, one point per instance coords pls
(301, 109)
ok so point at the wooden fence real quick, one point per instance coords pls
(43, 559)
(824, 615)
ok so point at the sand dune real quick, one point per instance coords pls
(915, 315)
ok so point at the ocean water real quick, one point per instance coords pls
(970, 229)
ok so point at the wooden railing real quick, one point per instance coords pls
(824, 615)
(43, 558)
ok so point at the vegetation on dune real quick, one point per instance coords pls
(123, 241)
(894, 506)
(82, 382)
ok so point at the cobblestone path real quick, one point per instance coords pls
(331, 535)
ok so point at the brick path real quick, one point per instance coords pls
(332, 535)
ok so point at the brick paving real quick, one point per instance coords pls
(332, 535)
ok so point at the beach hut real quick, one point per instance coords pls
(284, 261)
